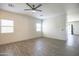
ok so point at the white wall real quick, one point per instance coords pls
(55, 27)
(24, 27)
(72, 11)
(75, 27)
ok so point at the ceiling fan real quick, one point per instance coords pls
(33, 7)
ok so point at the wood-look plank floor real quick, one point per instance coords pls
(39, 47)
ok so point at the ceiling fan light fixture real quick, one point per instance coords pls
(33, 11)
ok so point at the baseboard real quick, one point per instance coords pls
(30, 39)
(19, 41)
(54, 39)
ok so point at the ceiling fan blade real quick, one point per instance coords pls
(38, 10)
(33, 6)
(38, 6)
(29, 5)
(27, 9)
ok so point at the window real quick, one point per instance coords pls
(7, 26)
(38, 26)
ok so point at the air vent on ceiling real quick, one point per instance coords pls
(10, 5)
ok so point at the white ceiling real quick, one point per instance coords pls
(48, 10)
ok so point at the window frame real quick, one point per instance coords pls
(8, 26)
(38, 27)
